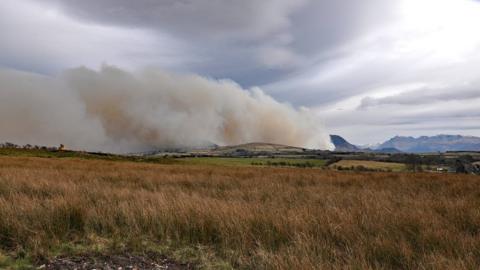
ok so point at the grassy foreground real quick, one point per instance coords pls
(239, 217)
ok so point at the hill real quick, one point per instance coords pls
(342, 145)
(250, 149)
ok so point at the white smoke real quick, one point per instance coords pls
(118, 111)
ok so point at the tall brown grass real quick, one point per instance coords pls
(261, 218)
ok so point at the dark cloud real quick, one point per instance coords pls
(252, 42)
(324, 25)
(204, 19)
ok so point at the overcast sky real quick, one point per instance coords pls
(370, 69)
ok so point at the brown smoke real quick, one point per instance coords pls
(118, 111)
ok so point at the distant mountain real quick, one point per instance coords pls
(439, 143)
(386, 150)
(342, 145)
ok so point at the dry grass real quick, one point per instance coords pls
(262, 218)
(376, 165)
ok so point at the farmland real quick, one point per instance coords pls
(369, 165)
(243, 217)
(279, 162)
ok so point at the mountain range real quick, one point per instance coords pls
(423, 144)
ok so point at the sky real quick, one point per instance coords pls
(367, 69)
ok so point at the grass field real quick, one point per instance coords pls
(282, 162)
(45, 153)
(374, 165)
(224, 217)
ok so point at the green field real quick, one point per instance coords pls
(216, 161)
(282, 162)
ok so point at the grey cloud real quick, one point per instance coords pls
(425, 96)
(218, 29)
(252, 42)
(401, 114)
(35, 38)
(339, 78)
(199, 18)
(378, 59)
(322, 26)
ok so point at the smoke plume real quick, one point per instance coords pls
(118, 111)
